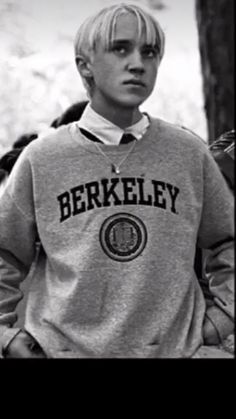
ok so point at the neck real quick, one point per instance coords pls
(120, 116)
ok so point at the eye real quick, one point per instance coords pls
(119, 50)
(149, 52)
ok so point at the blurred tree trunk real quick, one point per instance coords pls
(215, 21)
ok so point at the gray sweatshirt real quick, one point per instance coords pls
(114, 274)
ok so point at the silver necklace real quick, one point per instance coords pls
(115, 168)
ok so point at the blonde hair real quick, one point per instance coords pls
(100, 29)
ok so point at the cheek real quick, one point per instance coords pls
(153, 69)
(106, 66)
(152, 73)
(106, 73)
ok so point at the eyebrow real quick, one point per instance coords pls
(121, 42)
(125, 42)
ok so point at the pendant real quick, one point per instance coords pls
(115, 169)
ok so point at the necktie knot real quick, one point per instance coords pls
(127, 138)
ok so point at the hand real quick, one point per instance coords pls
(210, 335)
(24, 346)
(217, 326)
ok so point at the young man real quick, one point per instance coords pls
(118, 218)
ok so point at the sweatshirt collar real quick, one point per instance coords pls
(106, 131)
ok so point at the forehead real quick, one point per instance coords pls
(129, 26)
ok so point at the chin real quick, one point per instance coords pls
(133, 102)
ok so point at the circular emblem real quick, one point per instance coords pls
(123, 237)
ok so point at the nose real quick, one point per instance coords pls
(135, 64)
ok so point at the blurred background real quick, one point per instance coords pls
(39, 79)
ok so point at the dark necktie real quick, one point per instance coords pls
(127, 138)
(90, 136)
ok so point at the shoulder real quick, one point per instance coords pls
(179, 137)
(50, 142)
(52, 136)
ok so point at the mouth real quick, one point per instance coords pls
(134, 82)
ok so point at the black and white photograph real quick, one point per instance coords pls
(117, 179)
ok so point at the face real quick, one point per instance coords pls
(125, 75)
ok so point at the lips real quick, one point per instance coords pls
(134, 82)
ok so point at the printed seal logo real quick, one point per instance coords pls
(123, 237)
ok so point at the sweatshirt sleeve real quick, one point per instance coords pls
(18, 235)
(216, 233)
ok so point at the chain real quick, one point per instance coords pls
(115, 168)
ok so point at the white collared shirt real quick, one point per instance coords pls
(106, 131)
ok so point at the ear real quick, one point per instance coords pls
(84, 66)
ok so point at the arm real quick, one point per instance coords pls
(17, 245)
(10, 295)
(216, 233)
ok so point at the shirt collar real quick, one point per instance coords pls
(106, 131)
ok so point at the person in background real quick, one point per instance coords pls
(8, 160)
(119, 201)
(223, 151)
(71, 114)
